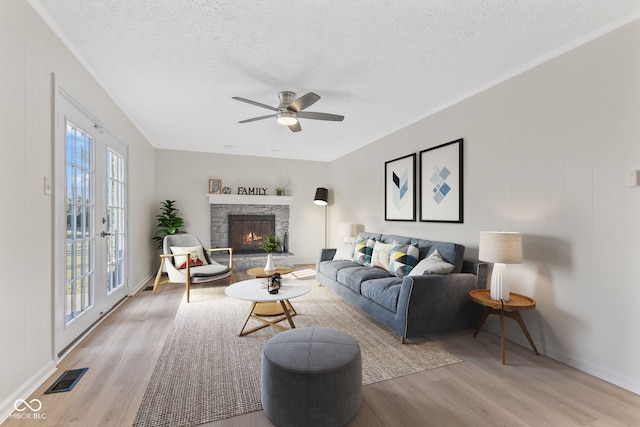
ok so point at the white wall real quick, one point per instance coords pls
(546, 153)
(30, 53)
(184, 176)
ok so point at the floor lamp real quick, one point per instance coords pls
(322, 198)
(500, 248)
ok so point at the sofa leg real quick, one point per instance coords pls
(401, 340)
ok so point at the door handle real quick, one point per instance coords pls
(103, 234)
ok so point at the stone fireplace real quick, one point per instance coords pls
(230, 207)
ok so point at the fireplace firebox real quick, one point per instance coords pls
(247, 231)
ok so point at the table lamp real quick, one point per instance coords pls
(347, 231)
(500, 248)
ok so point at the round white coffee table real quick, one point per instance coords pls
(253, 290)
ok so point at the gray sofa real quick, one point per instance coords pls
(411, 306)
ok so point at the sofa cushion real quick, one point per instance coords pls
(433, 264)
(374, 236)
(403, 259)
(450, 252)
(383, 291)
(331, 268)
(353, 277)
(393, 238)
(364, 250)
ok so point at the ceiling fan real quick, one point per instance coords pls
(291, 109)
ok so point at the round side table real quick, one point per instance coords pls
(509, 309)
(267, 308)
(259, 273)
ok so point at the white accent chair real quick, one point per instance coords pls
(188, 247)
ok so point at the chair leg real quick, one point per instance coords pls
(158, 276)
(188, 285)
(188, 274)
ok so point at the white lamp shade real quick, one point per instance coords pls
(346, 229)
(503, 247)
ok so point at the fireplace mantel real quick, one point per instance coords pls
(239, 199)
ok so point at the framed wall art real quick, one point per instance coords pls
(400, 189)
(441, 184)
(215, 186)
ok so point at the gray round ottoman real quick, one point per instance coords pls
(311, 377)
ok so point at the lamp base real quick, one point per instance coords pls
(499, 283)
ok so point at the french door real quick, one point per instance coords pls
(90, 256)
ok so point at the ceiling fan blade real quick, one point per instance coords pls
(295, 127)
(320, 116)
(303, 102)
(259, 104)
(270, 116)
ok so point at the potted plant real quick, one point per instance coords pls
(169, 222)
(270, 243)
(279, 191)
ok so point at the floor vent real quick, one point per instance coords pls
(148, 288)
(67, 381)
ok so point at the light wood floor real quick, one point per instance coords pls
(531, 390)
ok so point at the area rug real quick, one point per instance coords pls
(206, 372)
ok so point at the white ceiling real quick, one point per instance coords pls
(173, 66)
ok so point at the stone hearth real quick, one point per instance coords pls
(219, 230)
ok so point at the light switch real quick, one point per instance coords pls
(632, 178)
(47, 186)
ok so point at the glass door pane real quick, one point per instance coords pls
(80, 208)
(115, 222)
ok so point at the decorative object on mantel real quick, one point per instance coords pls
(279, 191)
(441, 183)
(270, 243)
(253, 191)
(500, 248)
(226, 190)
(169, 222)
(322, 199)
(215, 186)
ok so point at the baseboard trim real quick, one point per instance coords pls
(515, 335)
(141, 284)
(7, 406)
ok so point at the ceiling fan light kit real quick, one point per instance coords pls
(287, 118)
(290, 110)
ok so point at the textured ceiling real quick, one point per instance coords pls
(173, 66)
